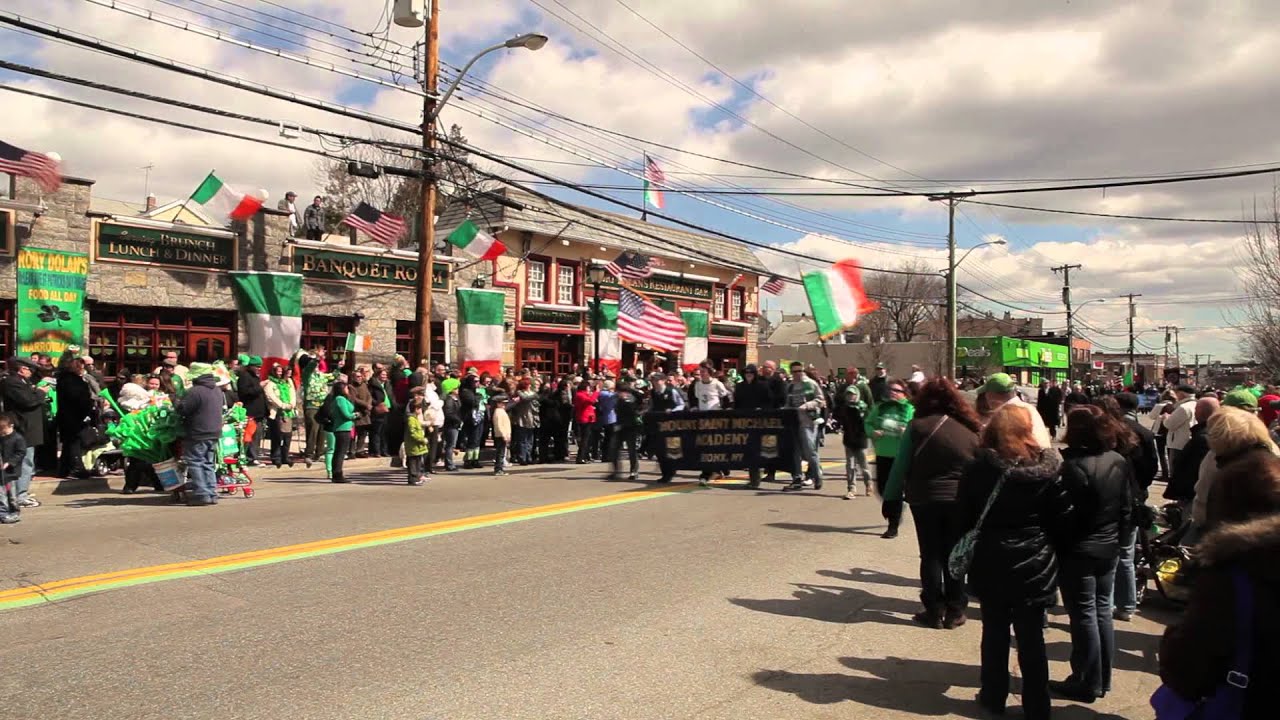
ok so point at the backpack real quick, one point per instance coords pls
(324, 416)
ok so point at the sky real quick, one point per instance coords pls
(912, 95)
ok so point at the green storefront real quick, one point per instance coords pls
(1029, 361)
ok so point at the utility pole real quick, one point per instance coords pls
(1197, 368)
(1066, 300)
(427, 249)
(1133, 375)
(1177, 350)
(951, 199)
(1168, 330)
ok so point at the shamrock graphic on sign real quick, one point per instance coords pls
(52, 313)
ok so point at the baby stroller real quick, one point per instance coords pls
(101, 456)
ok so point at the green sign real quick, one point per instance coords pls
(733, 331)
(50, 300)
(678, 287)
(547, 316)
(114, 241)
(1003, 351)
(385, 270)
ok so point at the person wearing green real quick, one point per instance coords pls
(339, 415)
(804, 395)
(885, 425)
(282, 410)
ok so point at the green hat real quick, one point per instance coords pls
(254, 360)
(243, 359)
(1242, 399)
(198, 369)
(998, 383)
(449, 385)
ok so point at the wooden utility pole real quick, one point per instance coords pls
(1133, 374)
(427, 248)
(1066, 300)
(951, 199)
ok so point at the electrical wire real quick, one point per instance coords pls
(1059, 211)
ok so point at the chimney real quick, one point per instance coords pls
(151, 203)
(1008, 315)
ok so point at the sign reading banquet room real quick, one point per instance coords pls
(349, 267)
(717, 439)
(187, 250)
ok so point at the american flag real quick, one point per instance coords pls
(37, 166)
(630, 266)
(383, 227)
(639, 320)
(773, 285)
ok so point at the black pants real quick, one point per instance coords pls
(1161, 446)
(584, 440)
(279, 441)
(378, 435)
(604, 441)
(416, 466)
(938, 528)
(341, 444)
(138, 472)
(1028, 628)
(624, 436)
(891, 511)
(253, 448)
(70, 461)
(393, 432)
(316, 235)
(548, 443)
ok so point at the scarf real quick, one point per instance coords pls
(284, 386)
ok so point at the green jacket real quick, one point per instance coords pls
(343, 415)
(415, 437)
(890, 418)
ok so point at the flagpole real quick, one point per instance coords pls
(183, 208)
(644, 187)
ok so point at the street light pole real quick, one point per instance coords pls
(951, 199)
(595, 276)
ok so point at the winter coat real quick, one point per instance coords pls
(853, 419)
(277, 408)
(342, 414)
(452, 409)
(1195, 653)
(501, 425)
(607, 407)
(752, 395)
(378, 401)
(1100, 488)
(13, 450)
(75, 402)
(1179, 424)
(1049, 405)
(931, 458)
(1015, 562)
(890, 418)
(629, 407)
(362, 400)
(313, 218)
(201, 409)
(435, 408)
(252, 396)
(807, 397)
(777, 390)
(584, 406)
(415, 436)
(469, 401)
(879, 387)
(1186, 466)
(525, 410)
(669, 400)
(1144, 460)
(26, 402)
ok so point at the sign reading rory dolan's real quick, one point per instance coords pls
(720, 439)
(50, 300)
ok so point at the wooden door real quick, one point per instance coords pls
(207, 347)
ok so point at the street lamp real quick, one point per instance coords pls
(951, 299)
(1071, 333)
(595, 276)
(431, 107)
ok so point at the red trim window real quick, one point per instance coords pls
(566, 283)
(535, 280)
(717, 307)
(737, 301)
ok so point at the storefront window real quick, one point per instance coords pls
(329, 333)
(407, 341)
(718, 307)
(136, 338)
(735, 306)
(6, 329)
(536, 283)
(566, 284)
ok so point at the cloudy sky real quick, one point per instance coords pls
(910, 95)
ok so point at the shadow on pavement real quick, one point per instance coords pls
(864, 575)
(141, 499)
(830, 603)
(804, 527)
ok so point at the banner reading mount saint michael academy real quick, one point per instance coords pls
(50, 300)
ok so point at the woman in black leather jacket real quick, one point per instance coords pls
(1098, 478)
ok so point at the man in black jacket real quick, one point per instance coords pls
(27, 403)
(201, 413)
(249, 391)
(1145, 463)
(753, 393)
(770, 376)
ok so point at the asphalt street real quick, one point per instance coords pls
(549, 593)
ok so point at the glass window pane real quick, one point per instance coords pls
(171, 318)
(537, 283)
(735, 309)
(718, 309)
(566, 287)
(139, 316)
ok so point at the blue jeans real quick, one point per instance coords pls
(1086, 592)
(1126, 591)
(199, 457)
(807, 451)
(25, 473)
(450, 437)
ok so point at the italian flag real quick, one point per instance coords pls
(476, 242)
(359, 343)
(271, 304)
(836, 297)
(220, 200)
(480, 331)
(695, 339)
(610, 341)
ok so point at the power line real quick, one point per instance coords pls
(1058, 211)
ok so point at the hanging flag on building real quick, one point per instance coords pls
(773, 285)
(45, 170)
(654, 179)
(639, 320)
(480, 329)
(836, 297)
(610, 342)
(383, 227)
(475, 242)
(271, 304)
(630, 266)
(695, 339)
(220, 201)
(359, 343)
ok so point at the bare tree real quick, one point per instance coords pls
(1260, 275)
(911, 304)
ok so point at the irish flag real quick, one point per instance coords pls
(476, 242)
(653, 181)
(695, 339)
(220, 200)
(480, 316)
(271, 304)
(610, 341)
(836, 297)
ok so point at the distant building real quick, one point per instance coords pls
(989, 325)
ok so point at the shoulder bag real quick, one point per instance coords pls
(962, 554)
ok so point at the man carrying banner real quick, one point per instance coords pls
(753, 393)
(806, 396)
(709, 394)
(665, 399)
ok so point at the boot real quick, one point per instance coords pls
(953, 619)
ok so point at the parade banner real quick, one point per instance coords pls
(720, 439)
(50, 300)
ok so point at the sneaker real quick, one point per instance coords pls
(810, 485)
(416, 481)
(10, 519)
(201, 501)
(1122, 616)
(889, 534)
(927, 619)
(850, 495)
(953, 620)
(704, 482)
(28, 502)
